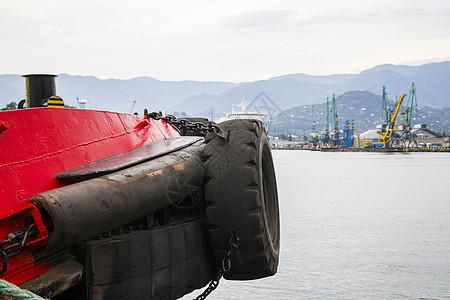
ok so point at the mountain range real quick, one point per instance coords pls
(362, 107)
(197, 98)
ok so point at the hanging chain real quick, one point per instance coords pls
(17, 241)
(180, 124)
(233, 243)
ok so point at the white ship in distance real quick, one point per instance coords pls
(244, 113)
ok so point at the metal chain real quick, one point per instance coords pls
(17, 241)
(233, 243)
(180, 124)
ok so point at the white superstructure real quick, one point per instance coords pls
(245, 114)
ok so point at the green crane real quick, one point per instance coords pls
(335, 114)
(412, 101)
(407, 138)
(385, 107)
(325, 138)
(335, 132)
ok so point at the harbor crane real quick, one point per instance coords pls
(335, 132)
(326, 133)
(407, 138)
(385, 107)
(314, 137)
(412, 101)
(385, 136)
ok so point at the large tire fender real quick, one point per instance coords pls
(241, 196)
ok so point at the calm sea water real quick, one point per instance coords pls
(358, 226)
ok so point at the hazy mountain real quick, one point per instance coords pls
(298, 89)
(12, 88)
(285, 93)
(197, 98)
(361, 106)
(115, 94)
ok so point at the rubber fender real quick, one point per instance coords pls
(241, 197)
(88, 208)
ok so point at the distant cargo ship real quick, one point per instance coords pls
(244, 113)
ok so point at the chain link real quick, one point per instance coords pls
(180, 124)
(17, 241)
(233, 243)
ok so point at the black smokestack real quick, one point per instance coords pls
(39, 87)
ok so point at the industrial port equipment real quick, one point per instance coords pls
(385, 137)
(314, 142)
(325, 137)
(407, 138)
(335, 137)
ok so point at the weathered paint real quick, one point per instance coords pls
(42, 142)
(37, 143)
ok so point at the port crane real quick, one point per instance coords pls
(314, 139)
(412, 101)
(385, 137)
(326, 133)
(335, 133)
(385, 107)
(407, 138)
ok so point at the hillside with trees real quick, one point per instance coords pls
(362, 106)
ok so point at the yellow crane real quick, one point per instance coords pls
(385, 137)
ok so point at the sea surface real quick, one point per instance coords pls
(358, 226)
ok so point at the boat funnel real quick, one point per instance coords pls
(39, 87)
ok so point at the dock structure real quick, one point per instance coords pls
(388, 150)
(393, 135)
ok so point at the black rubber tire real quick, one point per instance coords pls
(241, 196)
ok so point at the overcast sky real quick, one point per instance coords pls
(233, 40)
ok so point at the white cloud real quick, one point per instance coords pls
(258, 18)
(218, 40)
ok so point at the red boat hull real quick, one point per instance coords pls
(38, 143)
(41, 142)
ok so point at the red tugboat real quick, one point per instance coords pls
(104, 205)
